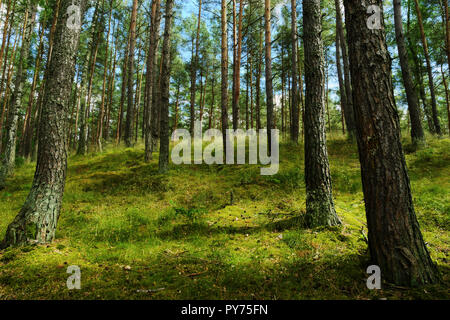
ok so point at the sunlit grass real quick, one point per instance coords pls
(219, 232)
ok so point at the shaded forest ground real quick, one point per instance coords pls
(139, 235)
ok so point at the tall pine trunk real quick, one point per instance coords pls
(165, 84)
(224, 71)
(37, 220)
(417, 134)
(320, 209)
(130, 92)
(395, 240)
(149, 76)
(269, 79)
(437, 125)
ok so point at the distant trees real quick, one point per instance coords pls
(9, 157)
(417, 133)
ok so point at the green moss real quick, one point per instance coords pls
(182, 233)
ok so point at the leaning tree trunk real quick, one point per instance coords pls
(320, 209)
(36, 221)
(395, 240)
(165, 82)
(8, 161)
(417, 134)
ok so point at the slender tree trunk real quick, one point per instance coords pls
(417, 134)
(447, 99)
(165, 83)
(37, 220)
(269, 80)
(320, 209)
(295, 109)
(105, 73)
(89, 77)
(258, 82)
(395, 241)
(27, 135)
(237, 68)
(348, 107)
(119, 130)
(437, 125)
(194, 68)
(8, 161)
(224, 71)
(447, 31)
(149, 77)
(342, 94)
(130, 93)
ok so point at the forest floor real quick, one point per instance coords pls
(137, 234)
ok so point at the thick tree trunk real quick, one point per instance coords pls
(395, 241)
(165, 83)
(437, 125)
(320, 209)
(130, 93)
(9, 158)
(37, 220)
(417, 134)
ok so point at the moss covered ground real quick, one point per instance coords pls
(216, 232)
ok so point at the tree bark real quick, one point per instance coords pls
(151, 61)
(269, 80)
(130, 93)
(165, 83)
(37, 220)
(295, 109)
(395, 240)
(320, 209)
(224, 72)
